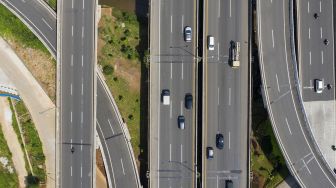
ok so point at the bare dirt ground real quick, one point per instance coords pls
(12, 140)
(42, 67)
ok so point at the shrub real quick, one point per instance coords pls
(108, 69)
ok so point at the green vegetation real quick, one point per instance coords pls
(52, 3)
(120, 34)
(268, 164)
(7, 178)
(11, 28)
(33, 145)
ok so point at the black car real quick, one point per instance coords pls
(228, 184)
(188, 101)
(219, 141)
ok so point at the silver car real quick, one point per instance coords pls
(187, 34)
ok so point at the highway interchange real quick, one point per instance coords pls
(173, 160)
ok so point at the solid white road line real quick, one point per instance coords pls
(290, 131)
(81, 116)
(320, 6)
(218, 8)
(72, 30)
(321, 32)
(82, 32)
(322, 57)
(82, 89)
(83, 4)
(229, 140)
(171, 23)
(309, 57)
(71, 170)
(71, 89)
(81, 144)
(169, 152)
(122, 166)
(181, 153)
(71, 116)
(171, 109)
(108, 120)
(308, 7)
(229, 96)
(309, 33)
(81, 171)
(72, 4)
(273, 38)
(218, 52)
(277, 81)
(182, 70)
(217, 96)
(230, 8)
(82, 60)
(182, 22)
(171, 70)
(71, 59)
(47, 23)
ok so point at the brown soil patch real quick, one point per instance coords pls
(100, 162)
(42, 67)
(129, 71)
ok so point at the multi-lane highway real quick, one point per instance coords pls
(281, 97)
(225, 94)
(30, 10)
(173, 67)
(316, 59)
(76, 92)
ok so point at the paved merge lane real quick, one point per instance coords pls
(283, 107)
(77, 81)
(316, 59)
(226, 93)
(177, 69)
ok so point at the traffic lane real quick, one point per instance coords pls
(317, 58)
(44, 27)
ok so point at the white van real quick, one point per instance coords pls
(211, 42)
(319, 85)
(165, 95)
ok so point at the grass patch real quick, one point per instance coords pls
(7, 178)
(33, 145)
(119, 40)
(11, 28)
(52, 3)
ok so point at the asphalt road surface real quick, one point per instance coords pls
(226, 94)
(77, 63)
(174, 61)
(34, 11)
(281, 97)
(316, 59)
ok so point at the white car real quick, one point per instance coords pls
(165, 97)
(211, 42)
(187, 34)
(319, 86)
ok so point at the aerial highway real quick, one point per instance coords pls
(35, 14)
(225, 94)
(281, 97)
(173, 68)
(76, 71)
(316, 59)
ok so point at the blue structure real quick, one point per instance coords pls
(16, 97)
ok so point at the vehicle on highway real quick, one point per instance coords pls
(187, 34)
(211, 42)
(316, 15)
(326, 41)
(234, 59)
(228, 184)
(72, 149)
(219, 141)
(209, 153)
(319, 85)
(165, 96)
(188, 101)
(181, 122)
